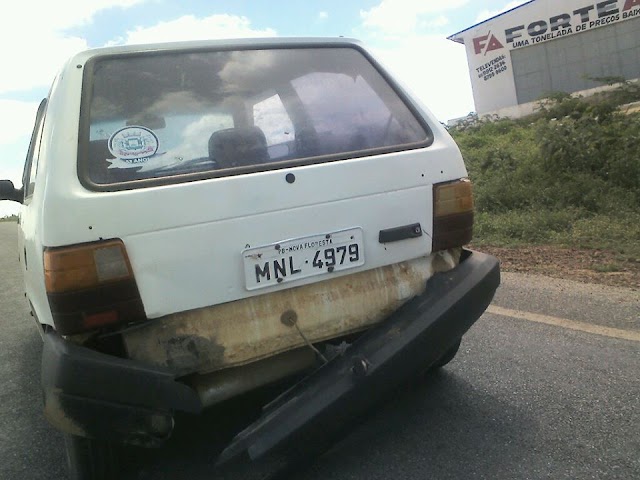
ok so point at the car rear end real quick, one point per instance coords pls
(236, 213)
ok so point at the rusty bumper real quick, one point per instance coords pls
(311, 415)
(90, 394)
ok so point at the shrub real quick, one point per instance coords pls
(568, 174)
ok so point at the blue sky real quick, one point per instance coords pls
(408, 36)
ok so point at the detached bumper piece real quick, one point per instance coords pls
(312, 415)
(90, 394)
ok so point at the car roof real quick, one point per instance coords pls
(225, 44)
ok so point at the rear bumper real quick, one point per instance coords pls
(94, 395)
(100, 396)
(313, 413)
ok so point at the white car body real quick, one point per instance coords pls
(185, 240)
(182, 264)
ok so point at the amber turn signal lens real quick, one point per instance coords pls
(84, 266)
(452, 214)
(452, 198)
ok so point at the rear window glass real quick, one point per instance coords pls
(162, 116)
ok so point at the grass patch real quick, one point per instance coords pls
(568, 176)
(607, 268)
(520, 227)
(618, 234)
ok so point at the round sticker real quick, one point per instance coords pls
(134, 144)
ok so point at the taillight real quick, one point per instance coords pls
(90, 286)
(452, 214)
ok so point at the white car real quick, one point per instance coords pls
(201, 219)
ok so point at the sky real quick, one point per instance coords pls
(408, 36)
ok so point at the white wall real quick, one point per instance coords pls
(489, 44)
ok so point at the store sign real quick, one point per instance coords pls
(492, 68)
(486, 44)
(489, 43)
(560, 24)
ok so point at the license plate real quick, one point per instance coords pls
(303, 257)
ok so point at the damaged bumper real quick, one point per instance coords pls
(312, 414)
(94, 395)
(91, 394)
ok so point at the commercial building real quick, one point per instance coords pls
(543, 46)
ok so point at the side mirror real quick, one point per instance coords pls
(9, 192)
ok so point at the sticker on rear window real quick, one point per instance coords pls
(133, 145)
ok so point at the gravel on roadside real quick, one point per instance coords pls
(582, 265)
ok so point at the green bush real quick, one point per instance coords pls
(569, 174)
(568, 228)
(605, 231)
(519, 227)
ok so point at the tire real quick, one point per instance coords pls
(447, 356)
(90, 459)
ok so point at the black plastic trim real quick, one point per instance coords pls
(310, 416)
(77, 376)
(79, 371)
(400, 233)
(111, 421)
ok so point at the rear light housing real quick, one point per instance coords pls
(452, 214)
(91, 286)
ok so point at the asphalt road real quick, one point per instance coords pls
(545, 385)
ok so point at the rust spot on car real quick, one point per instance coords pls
(446, 259)
(244, 331)
(184, 351)
(56, 415)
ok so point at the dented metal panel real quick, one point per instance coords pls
(220, 385)
(251, 329)
(313, 414)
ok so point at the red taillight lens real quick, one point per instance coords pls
(91, 286)
(452, 214)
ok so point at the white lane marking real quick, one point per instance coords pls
(566, 323)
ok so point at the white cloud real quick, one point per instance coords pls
(189, 27)
(58, 15)
(30, 19)
(34, 48)
(487, 14)
(15, 129)
(403, 16)
(437, 22)
(323, 16)
(8, 208)
(33, 39)
(13, 172)
(34, 64)
(16, 118)
(435, 70)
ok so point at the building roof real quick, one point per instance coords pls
(458, 39)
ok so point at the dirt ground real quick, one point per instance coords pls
(582, 265)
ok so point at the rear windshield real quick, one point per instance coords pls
(159, 117)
